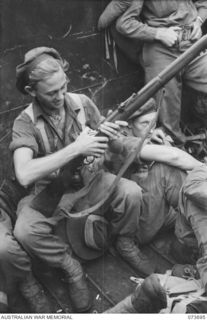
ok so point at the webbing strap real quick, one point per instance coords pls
(81, 115)
(40, 126)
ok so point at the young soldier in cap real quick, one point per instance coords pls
(49, 134)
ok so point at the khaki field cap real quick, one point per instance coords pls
(31, 59)
(148, 107)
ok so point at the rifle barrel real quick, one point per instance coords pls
(159, 81)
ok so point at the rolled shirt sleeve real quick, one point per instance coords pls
(130, 24)
(195, 186)
(23, 135)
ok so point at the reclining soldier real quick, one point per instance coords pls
(50, 133)
(160, 171)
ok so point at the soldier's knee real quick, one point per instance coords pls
(22, 233)
(133, 190)
(5, 248)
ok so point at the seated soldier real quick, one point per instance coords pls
(191, 223)
(15, 264)
(160, 171)
(48, 135)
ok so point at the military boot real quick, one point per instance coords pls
(33, 293)
(77, 285)
(130, 253)
(150, 296)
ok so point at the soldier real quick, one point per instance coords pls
(50, 133)
(159, 170)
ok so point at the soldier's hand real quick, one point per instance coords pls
(158, 136)
(89, 145)
(111, 129)
(168, 36)
(196, 31)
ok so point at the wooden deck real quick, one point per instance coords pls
(108, 278)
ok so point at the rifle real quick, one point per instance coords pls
(127, 108)
(47, 200)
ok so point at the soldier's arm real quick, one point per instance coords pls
(130, 25)
(169, 155)
(29, 169)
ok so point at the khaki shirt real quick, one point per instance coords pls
(26, 134)
(143, 17)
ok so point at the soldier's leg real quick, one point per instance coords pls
(196, 77)
(160, 193)
(195, 74)
(198, 221)
(14, 260)
(126, 205)
(35, 233)
(15, 269)
(193, 206)
(156, 58)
